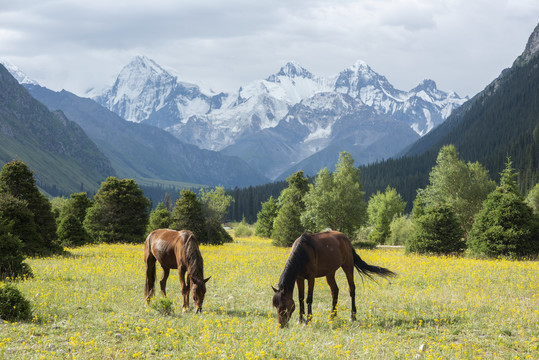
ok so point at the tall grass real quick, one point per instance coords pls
(89, 305)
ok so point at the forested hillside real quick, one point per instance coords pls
(64, 160)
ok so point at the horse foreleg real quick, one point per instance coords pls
(334, 293)
(310, 284)
(185, 288)
(163, 281)
(352, 286)
(301, 297)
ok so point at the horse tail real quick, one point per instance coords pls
(368, 270)
(150, 261)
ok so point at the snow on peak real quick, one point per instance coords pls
(17, 73)
(293, 69)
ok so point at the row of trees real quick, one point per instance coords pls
(31, 225)
(460, 208)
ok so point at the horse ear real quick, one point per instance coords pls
(274, 289)
(206, 280)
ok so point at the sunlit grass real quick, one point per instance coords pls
(89, 305)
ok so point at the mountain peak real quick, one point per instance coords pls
(21, 77)
(532, 48)
(426, 85)
(292, 69)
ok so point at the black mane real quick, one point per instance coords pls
(296, 260)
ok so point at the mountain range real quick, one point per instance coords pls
(291, 120)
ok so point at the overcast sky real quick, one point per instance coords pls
(78, 44)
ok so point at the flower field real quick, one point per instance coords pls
(89, 305)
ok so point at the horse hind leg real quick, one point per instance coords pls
(163, 282)
(350, 277)
(150, 278)
(334, 293)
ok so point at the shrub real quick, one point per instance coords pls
(164, 306)
(13, 305)
(401, 229)
(243, 229)
(437, 232)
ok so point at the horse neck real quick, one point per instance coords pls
(193, 258)
(295, 263)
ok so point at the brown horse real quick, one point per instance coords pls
(175, 250)
(313, 256)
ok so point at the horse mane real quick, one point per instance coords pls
(296, 260)
(193, 257)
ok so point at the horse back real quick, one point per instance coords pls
(333, 250)
(166, 246)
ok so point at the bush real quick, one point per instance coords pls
(437, 232)
(164, 306)
(401, 229)
(243, 229)
(13, 305)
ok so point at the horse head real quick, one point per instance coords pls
(284, 303)
(198, 290)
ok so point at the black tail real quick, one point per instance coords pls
(367, 270)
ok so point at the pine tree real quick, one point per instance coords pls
(506, 226)
(437, 231)
(71, 233)
(159, 218)
(287, 225)
(119, 213)
(188, 214)
(18, 181)
(265, 218)
(12, 263)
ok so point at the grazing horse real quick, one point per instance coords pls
(175, 250)
(313, 256)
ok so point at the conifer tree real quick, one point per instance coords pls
(287, 226)
(17, 180)
(159, 218)
(188, 214)
(119, 212)
(265, 218)
(506, 225)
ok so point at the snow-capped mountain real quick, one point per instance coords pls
(228, 122)
(18, 74)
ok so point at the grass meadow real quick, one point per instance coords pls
(89, 305)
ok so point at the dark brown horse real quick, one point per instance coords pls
(313, 256)
(175, 250)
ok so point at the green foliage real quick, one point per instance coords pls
(336, 201)
(11, 255)
(13, 305)
(287, 226)
(119, 212)
(188, 214)
(382, 209)
(243, 230)
(401, 229)
(533, 199)
(159, 218)
(71, 232)
(265, 218)
(21, 219)
(164, 306)
(216, 203)
(462, 186)
(437, 232)
(18, 181)
(77, 205)
(506, 226)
